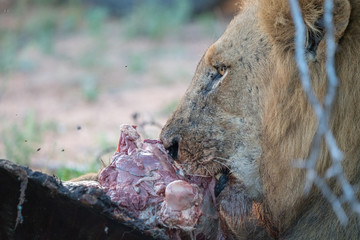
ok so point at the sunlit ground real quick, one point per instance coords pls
(70, 75)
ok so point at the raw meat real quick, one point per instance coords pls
(143, 179)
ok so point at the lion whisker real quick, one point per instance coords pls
(225, 159)
(222, 164)
(185, 167)
(207, 170)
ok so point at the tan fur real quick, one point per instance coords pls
(86, 177)
(256, 120)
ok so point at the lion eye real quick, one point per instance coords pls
(221, 70)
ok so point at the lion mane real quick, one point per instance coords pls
(290, 122)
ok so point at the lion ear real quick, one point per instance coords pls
(276, 20)
(316, 44)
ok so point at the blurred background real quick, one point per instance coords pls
(72, 71)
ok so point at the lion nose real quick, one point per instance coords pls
(173, 149)
(170, 138)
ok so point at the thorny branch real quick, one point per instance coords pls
(323, 114)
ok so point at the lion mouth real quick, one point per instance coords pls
(222, 178)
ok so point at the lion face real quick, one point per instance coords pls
(245, 113)
(217, 125)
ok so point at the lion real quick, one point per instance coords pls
(245, 117)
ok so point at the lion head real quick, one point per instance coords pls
(246, 118)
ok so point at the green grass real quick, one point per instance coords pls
(90, 88)
(40, 30)
(152, 19)
(137, 63)
(21, 141)
(40, 22)
(65, 173)
(8, 52)
(95, 19)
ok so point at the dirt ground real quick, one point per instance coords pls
(76, 97)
